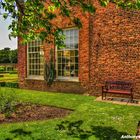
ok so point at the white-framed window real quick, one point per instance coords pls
(67, 58)
(35, 59)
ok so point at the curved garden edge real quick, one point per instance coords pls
(32, 112)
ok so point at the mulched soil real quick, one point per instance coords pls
(28, 112)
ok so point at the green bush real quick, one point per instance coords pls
(8, 102)
(13, 72)
(9, 84)
(2, 68)
(10, 72)
(3, 72)
(2, 84)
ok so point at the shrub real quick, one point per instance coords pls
(13, 72)
(2, 84)
(4, 72)
(8, 101)
(9, 84)
(2, 68)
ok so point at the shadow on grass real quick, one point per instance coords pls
(74, 129)
(19, 133)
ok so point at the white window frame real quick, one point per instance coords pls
(36, 77)
(63, 78)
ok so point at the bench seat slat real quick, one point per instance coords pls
(117, 91)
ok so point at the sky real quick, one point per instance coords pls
(4, 39)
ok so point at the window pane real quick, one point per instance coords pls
(72, 53)
(76, 59)
(59, 54)
(76, 66)
(76, 53)
(72, 59)
(76, 73)
(59, 72)
(67, 53)
(76, 46)
(60, 66)
(60, 60)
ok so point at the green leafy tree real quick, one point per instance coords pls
(4, 55)
(32, 19)
(8, 56)
(13, 56)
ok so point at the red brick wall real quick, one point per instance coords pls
(72, 87)
(109, 49)
(57, 86)
(22, 62)
(115, 47)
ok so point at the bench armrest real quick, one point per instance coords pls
(104, 88)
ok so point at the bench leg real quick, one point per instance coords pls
(105, 96)
(131, 97)
(102, 95)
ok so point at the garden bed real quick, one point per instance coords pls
(30, 112)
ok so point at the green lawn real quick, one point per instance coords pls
(9, 78)
(90, 120)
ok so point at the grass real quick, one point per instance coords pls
(9, 78)
(91, 120)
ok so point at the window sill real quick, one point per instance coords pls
(61, 79)
(35, 78)
(67, 79)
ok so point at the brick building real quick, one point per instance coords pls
(107, 47)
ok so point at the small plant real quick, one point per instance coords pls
(8, 101)
(9, 84)
(2, 68)
(13, 72)
(50, 69)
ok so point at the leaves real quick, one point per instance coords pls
(59, 38)
(52, 8)
(7, 102)
(77, 22)
(127, 4)
(89, 8)
(8, 56)
(104, 2)
(5, 15)
(34, 19)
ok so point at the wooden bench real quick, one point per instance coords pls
(117, 87)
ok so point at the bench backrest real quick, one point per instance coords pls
(118, 85)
